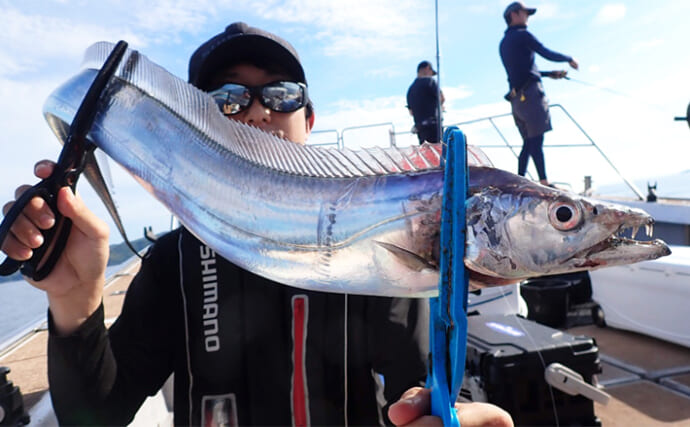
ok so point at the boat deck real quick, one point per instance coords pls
(648, 379)
(27, 358)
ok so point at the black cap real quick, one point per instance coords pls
(240, 42)
(425, 64)
(517, 6)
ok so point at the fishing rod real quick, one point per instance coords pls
(582, 82)
(617, 93)
(439, 114)
(684, 119)
(448, 311)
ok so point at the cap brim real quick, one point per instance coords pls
(530, 10)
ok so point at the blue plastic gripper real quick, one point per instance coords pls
(448, 314)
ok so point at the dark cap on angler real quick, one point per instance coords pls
(240, 42)
(425, 64)
(517, 6)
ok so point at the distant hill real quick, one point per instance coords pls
(118, 254)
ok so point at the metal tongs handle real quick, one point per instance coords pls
(69, 167)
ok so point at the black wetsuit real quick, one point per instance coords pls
(422, 99)
(243, 349)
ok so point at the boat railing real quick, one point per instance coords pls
(335, 138)
(513, 148)
(325, 138)
(339, 140)
(39, 323)
(389, 125)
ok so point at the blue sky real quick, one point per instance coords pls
(360, 57)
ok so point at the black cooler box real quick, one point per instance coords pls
(506, 361)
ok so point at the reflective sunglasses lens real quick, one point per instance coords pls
(284, 97)
(232, 98)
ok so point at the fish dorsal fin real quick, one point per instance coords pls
(230, 137)
(477, 157)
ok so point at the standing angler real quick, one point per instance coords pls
(423, 104)
(527, 99)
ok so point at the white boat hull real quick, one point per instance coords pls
(650, 297)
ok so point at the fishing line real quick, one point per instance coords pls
(520, 320)
(619, 93)
(543, 364)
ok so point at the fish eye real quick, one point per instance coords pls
(564, 213)
(565, 216)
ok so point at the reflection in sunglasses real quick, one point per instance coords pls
(280, 96)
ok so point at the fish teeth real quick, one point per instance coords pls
(649, 229)
(635, 229)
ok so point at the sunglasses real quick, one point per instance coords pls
(281, 96)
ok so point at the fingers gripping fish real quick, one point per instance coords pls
(362, 222)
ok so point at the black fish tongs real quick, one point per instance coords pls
(69, 166)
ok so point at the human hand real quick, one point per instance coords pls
(573, 63)
(558, 74)
(74, 287)
(414, 407)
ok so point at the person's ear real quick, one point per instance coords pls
(310, 122)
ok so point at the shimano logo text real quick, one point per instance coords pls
(209, 279)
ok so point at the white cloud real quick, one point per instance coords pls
(610, 13)
(456, 93)
(547, 10)
(384, 18)
(29, 42)
(172, 17)
(358, 28)
(385, 72)
(647, 44)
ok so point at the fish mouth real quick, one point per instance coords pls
(619, 249)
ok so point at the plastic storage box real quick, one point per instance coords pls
(506, 361)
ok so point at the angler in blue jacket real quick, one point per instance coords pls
(527, 98)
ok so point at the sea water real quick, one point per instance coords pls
(23, 307)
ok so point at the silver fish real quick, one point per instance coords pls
(362, 222)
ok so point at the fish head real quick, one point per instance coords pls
(518, 229)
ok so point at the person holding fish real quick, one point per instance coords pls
(527, 98)
(244, 350)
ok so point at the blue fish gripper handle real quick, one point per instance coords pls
(448, 311)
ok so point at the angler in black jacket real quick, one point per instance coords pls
(243, 350)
